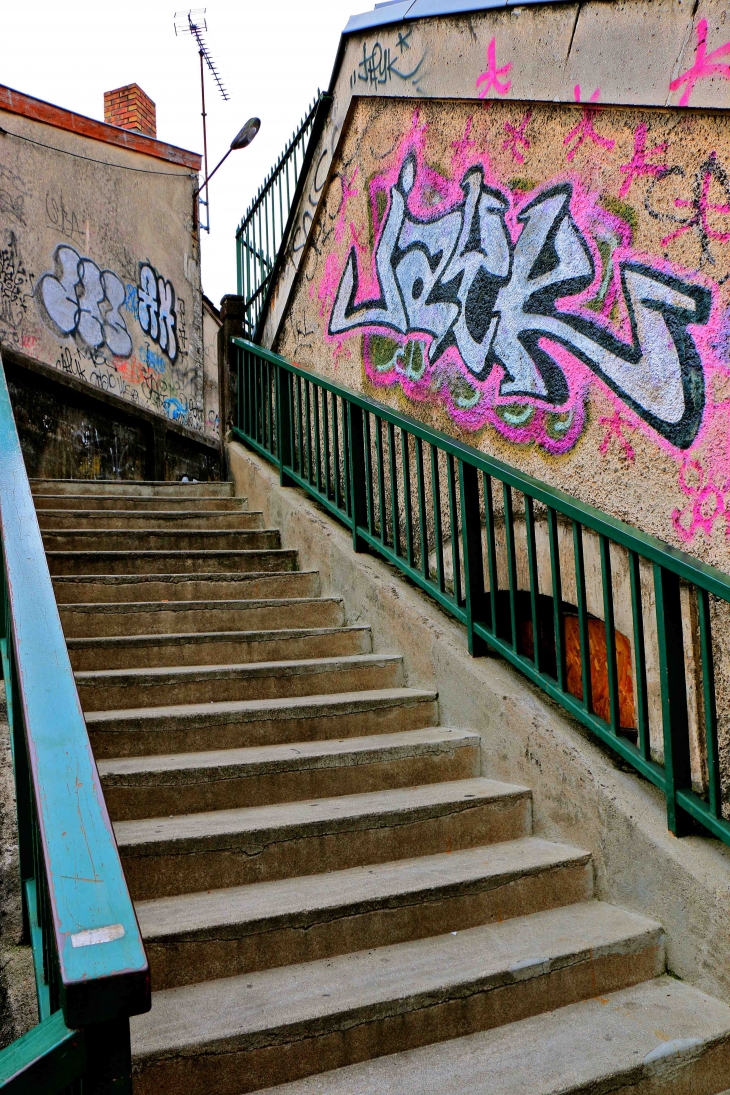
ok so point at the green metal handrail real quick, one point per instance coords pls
(454, 521)
(264, 227)
(90, 965)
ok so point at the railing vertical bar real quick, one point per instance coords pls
(308, 427)
(637, 620)
(557, 589)
(675, 721)
(608, 618)
(381, 478)
(369, 473)
(393, 475)
(326, 432)
(491, 549)
(422, 520)
(583, 638)
(471, 531)
(300, 429)
(336, 453)
(317, 436)
(454, 528)
(509, 533)
(707, 662)
(407, 512)
(437, 523)
(532, 577)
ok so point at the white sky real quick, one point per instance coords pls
(271, 54)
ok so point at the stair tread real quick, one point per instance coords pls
(274, 758)
(190, 830)
(197, 606)
(254, 669)
(284, 1002)
(279, 707)
(252, 907)
(170, 638)
(583, 1047)
(135, 514)
(246, 576)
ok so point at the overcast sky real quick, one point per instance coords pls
(271, 54)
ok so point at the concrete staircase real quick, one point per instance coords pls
(332, 897)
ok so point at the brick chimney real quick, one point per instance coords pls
(129, 108)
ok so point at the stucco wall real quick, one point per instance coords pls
(100, 266)
(211, 398)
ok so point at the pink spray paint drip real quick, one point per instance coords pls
(491, 78)
(638, 164)
(705, 65)
(348, 191)
(585, 130)
(516, 136)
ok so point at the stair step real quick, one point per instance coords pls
(199, 937)
(106, 502)
(146, 618)
(242, 1033)
(101, 690)
(169, 562)
(191, 727)
(132, 488)
(660, 1036)
(135, 540)
(115, 588)
(176, 519)
(217, 647)
(181, 854)
(186, 783)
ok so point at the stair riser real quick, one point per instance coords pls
(109, 696)
(79, 488)
(246, 858)
(167, 735)
(231, 790)
(343, 1040)
(186, 562)
(182, 587)
(143, 505)
(221, 651)
(50, 522)
(184, 961)
(98, 540)
(206, 617)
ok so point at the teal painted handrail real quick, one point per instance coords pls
(91, 968)
(428, 503)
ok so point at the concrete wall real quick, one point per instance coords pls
(211, 399)
(580, 795)
(99, 258)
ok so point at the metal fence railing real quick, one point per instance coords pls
(90, 966)
(261, 233)
(628, 634)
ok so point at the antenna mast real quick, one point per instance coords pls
(193, 22)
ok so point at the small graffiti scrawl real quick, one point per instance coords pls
(500, 282)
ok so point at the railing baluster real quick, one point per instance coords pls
(472, 547)
(336, 453)
(326, 432)
(707, 662)
(393, 488)
(454, 528)
(675, 723)
(612, 669)
(583, 639)
(533, 578)
(317, 438)
(356, 466)
(407, 514)
(509, 533)
(437, 524)
(369, 474)
(557, 585)
(308, 427)
(491, 549)
(300, 429)
(637, 619)
(422, 521)
(381, 478)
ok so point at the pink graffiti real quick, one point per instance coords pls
(584, 130)
(705, 65)
(615, 426)
(327, 288)
(638, 164)
(516, 136)
(491, 78)
(348, 191)
(702, 206)
(462, 147)
(707, 504)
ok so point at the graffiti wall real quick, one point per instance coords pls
(99, 270)
(550, 283)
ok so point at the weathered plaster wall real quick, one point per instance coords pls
(100, 266)
(211, 398)
(547, 282)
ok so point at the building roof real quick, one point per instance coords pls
(16, 102)
(395, 11)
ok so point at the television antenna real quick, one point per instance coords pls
(193, 22)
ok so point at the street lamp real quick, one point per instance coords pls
(242, 140)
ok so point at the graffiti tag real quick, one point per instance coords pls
(80, 300)
(156, 307)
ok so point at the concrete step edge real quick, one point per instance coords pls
(240, 605)
(100, 677)
(201, 637)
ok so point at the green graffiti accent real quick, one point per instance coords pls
(557, 424)
(408, 360)
(523, 185)
(516, 414)
(464, 394)
(620, 209)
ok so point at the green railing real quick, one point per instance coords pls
(625, 632)
(262, 231)
(90, 966)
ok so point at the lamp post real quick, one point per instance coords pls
(242, 140)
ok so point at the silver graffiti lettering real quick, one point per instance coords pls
(79, 299)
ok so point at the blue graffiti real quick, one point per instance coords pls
(150, 358)
(131, 300)
(174, 409)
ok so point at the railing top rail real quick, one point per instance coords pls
(102, 962)
(651, 548)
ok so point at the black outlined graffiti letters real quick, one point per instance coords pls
(80, 300)
(157, 315)
(462, 279)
